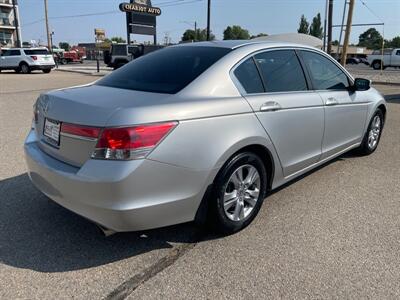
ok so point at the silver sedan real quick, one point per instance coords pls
(198, 132)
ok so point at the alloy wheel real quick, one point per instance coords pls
(374, 132)
(242, 192)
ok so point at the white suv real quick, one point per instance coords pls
(24, 60)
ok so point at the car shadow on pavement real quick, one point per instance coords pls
(38, 234)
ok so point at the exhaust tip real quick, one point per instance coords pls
(105, 231)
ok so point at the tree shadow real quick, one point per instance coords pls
(38, 234)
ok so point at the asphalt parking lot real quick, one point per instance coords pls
(334, 233)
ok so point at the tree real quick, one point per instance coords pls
(371, 39)
(118, 39)
(236, 33)
(316, 27)
(303, 25)
(65, 46)
(335, 43)
(189, 35)
(395, 43)
(258, 35)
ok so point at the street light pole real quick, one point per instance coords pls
(47, 26)
(208, 19)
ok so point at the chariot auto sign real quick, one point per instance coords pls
(141, 18)
(141, 7)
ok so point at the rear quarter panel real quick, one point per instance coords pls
(207, 143)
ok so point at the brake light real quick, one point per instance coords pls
(131, 142)
(34, 57)
(80, 131)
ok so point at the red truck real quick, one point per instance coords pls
(76, 54)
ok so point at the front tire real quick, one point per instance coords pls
(240, 189)
(373, 135)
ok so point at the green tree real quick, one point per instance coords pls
(200, 35)
(258, 35)
(236, 33)
(118, 39)
(303, 25)
(394, 43)
(316, 27)
(371, 39)
(65, 46)
(335, 43)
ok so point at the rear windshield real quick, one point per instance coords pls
(165, 71)
(36, 52)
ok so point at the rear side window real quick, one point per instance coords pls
(248, 76)
(119, 50)
(324, 73)
(36, 52)
(165, 71)
(281, 71)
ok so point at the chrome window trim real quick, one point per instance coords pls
(243, 92)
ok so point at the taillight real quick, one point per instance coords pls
(34, 57)
(80, 131)
(128, 143)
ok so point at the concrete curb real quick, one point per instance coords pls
(385, 83)
(83, 72)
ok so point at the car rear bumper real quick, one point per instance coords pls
(42, 67)
(119, 195)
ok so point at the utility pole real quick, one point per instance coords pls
(347, 33)
(18, 43)
(195, 31)
(47, 27)
(330, 16)
(208, 19)
(325, 23)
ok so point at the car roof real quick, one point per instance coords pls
(234, 44)
(33, 48)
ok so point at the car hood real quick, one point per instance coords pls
(96, 105)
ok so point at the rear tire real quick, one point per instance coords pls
(376, 65)
(373, 135)
(239, 191)
(24, 68)
(46, 71)
(64, 61)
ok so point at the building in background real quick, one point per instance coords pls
(9, 23)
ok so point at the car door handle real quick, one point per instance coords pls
(270, 106)
(331, 101)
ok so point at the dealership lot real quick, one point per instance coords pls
(333, 233)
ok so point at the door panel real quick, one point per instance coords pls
(344, 120)
(345, 111)
(296, 128)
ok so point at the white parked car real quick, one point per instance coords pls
(390, 57)
(24, 60)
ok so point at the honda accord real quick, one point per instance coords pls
(198, 132)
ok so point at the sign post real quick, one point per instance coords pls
(100, 36)
(140, 18)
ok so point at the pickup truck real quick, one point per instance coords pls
(391, 58)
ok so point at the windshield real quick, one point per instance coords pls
(165, 71)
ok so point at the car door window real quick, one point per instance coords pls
(248, 76)
(324, 73)
(281, 71)
(15, 52)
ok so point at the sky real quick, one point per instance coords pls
(266, 16)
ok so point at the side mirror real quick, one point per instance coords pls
(361, 84)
